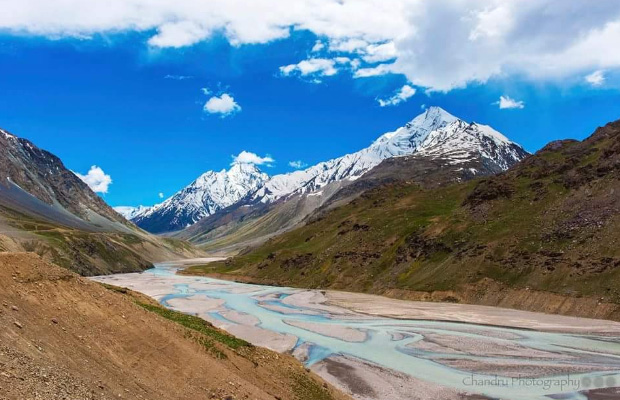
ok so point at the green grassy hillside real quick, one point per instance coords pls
(550, 224)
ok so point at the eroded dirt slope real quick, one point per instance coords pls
(62, 336)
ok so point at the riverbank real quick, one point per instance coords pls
(486, 292)
(377, 348)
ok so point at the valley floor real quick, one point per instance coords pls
(378, 348)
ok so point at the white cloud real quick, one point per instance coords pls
(96, 179)
(476, 41)
(347, 45)
(491, 22)
(297, 164)
(160, 195)
(596, 78)
(438, 45)
(311, 66)
(381, 69)
(403, 94)
(342, 60)
(247, 157)
(179, 34)
(223, 104)
(380, 52)
(319, 67)
(505, 102)
(318, 46)
(368, 52)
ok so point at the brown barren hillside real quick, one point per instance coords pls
(65, 337)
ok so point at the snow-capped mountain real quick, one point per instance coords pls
(209, 193)
(130, 212)
(434, 132)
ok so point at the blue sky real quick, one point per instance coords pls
(115, 100)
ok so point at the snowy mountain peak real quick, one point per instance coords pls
(209, 193)
(407, 139)
(433, 118)
(239, 170)
(236, 174)
(130, 212)
(433, 133)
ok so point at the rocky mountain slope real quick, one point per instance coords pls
(65, 337)
(45, 208)
(542, 236)
(212, 191)
(434, 133)
(28, 171)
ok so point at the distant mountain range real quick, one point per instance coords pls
(434, 134)
(211, 192)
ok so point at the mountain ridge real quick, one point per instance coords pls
(43, 175)
(207, 194)
(47, 209)
(434, 133)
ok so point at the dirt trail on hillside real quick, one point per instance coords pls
(62, 336)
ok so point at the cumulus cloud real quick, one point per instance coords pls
(318, 46)
(160, 195)
(179, 34)
(297, 164)
(403, 94)
(439, 45)
(223, 104)
(311, 66)
(497, 38)
(247, 157)
(379, 52)
(505, 102)
(381, 69)
(368, 52)
(596, 78)
(319, 67)
(96, 179)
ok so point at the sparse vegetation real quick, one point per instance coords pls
(196, 324)
(198, 329)
(306, 388)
